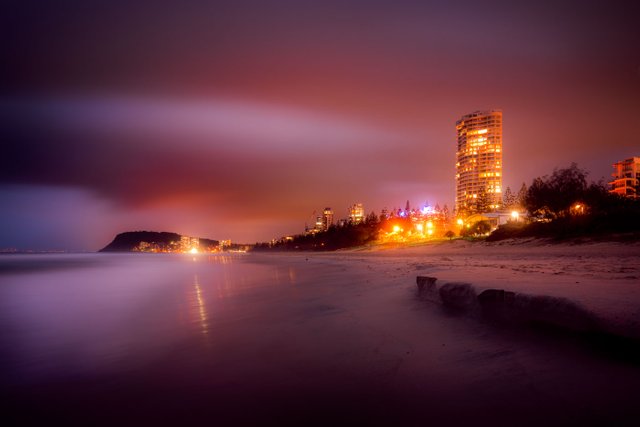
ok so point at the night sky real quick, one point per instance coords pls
(239, 119)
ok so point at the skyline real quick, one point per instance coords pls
(239, 120)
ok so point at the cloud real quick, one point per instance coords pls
(246, 113)
(200, 123)
(147, 151)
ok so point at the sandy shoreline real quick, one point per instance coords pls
(308, 339)
(603, 277)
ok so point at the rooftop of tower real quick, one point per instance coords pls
(479, 113)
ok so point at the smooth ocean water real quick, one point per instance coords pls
(134, 339)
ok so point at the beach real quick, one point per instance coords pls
(601, 277)
(312, 338)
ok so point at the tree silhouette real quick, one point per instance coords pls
(483, 202)
(522, 195)
(371, 219)
(509, 200)
(446, 213)
(552, 196)
(479, 228)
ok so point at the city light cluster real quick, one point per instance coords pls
(186, 245)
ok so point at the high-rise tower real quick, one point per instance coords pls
(479, 162)
(356, 213)
(327, 218)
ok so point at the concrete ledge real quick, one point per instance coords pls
(501, 306)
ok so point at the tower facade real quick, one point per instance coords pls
(327, 218)
(356, 213)
(479, 162)
(626, 178)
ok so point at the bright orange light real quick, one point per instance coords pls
(429, 224)
(460, 221)
(577, 209)
(419, 227)
(194, 250)
(396, 229)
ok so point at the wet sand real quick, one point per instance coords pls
(601, 277)
(313, 339)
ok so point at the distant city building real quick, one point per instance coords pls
(356, 213)
(479, 162)
(327, 218)
(626, 178)
(319, 226)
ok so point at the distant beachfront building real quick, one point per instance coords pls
(356, 213)
(626, 178)
(322, 222)
(327, 218)
(479, 162)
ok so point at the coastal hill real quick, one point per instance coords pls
(153, 241)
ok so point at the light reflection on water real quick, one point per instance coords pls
(285, 275)
(200, 306)
(81, 313)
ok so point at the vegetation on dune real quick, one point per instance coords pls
(336, 237)
(477, 229)
(564, 205)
